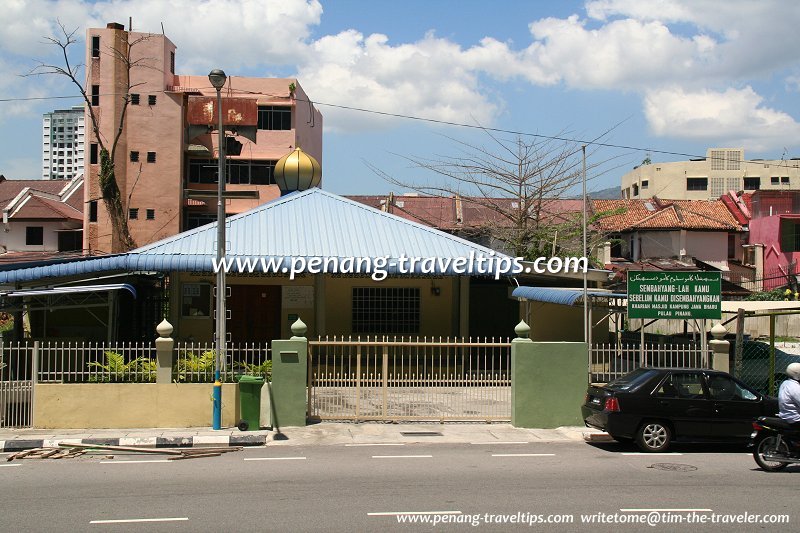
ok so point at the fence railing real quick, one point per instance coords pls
(610, 361)
(412, 379)
(78, 362)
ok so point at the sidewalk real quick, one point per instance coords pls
(327, 433)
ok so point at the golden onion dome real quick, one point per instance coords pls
(297, 171)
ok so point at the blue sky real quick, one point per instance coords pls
(677, 76)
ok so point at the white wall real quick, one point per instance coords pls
(707, 245)
(14, 238)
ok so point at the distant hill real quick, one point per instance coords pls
(612, 193)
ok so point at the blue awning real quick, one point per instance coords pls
(561, 296)
(72, 290)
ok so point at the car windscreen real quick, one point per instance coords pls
(633, 380)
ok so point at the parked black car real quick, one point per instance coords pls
(653, 406)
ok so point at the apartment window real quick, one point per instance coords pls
(195, 220)
(151, 99)
(392, 310)
(95, 46)
(93, 154)
(134, 99)
(95, 95)
(93, 211)
(784, 180)
(134, 156)
(172, 62)
(696, 184)
(774, 180)
(34, 235)
(151, 157)
(196, 301)
(133, 213)
(151, 214)
(238, 171)
(273, 117)
(731, 246)
(635, 190)
(717, 159)
(752, 184)
(645, 184)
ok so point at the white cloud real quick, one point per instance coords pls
(701, 46)
(430, 78)
(735, 116)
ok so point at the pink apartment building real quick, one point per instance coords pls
(161, 162)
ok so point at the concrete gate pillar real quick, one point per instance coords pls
(164, 353)
(290, 378)
(720, 359)
(548, 381)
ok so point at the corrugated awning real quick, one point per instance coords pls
(72, 290)
(555, 295)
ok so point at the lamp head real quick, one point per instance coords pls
(217, 78)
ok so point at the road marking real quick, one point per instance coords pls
(501, 442)
(401, 456)
(18, 464)
(523, 454)
(134, 520)
(650, 454)
(666, 510)
(274, 458)
(378, 444)
(113, 462)
(403, 513)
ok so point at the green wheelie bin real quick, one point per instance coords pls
(250, 402)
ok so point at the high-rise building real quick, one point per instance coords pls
(166, 159)
(710, 177)
(62, 143)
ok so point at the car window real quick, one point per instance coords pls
(689, 385)
(724, 388)
(632, 380)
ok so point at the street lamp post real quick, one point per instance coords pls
(217, 78)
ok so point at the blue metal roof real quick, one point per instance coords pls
(308, 224)
(560, 296)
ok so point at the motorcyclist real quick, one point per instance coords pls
(789, 396)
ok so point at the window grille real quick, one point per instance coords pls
(386, 310)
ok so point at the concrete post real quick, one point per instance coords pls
(164, 352)
(759, 260)
(720, 359)
(548, 381)
(290, 378)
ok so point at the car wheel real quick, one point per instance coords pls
(653, 436)
(769, 447)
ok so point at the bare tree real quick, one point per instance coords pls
(107, 181)
(516, 185)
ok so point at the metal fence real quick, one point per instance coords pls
(409, 379)
(16, 386)
(79, 362)
(610, 361)
(759, 368)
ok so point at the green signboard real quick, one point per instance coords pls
(679, 295)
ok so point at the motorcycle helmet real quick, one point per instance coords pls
(793, 371)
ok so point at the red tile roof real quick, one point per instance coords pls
(452, 213)
(9, 189)
(659, 214)
(39, 207)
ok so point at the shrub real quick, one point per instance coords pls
(116, 370)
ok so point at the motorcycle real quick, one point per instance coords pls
(775, 443)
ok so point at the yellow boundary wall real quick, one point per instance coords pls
(131, 405)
